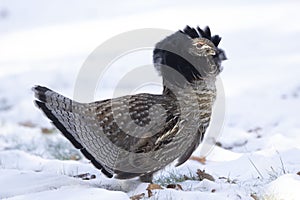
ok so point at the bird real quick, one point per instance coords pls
(138, 135)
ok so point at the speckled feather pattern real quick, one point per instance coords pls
(137, 135)
(116, 131)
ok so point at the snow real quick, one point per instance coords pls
(47, 42)
(285, 187)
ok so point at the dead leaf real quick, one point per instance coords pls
(151, 187)
(28, 124)
(138, 196)
(47, 130)
(203, 175)
(74, 157)
(202, 160)
(175, 186)
(254, 196)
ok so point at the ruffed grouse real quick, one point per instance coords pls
(137, 135)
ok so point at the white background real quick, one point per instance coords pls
(46, 43)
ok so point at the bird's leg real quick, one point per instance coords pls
(146, 178)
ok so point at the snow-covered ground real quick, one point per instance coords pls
(46, 43)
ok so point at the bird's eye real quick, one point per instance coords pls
(199, 45)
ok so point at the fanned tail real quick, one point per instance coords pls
(62, 112)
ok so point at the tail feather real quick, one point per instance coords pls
(52, 104)
(60, 110)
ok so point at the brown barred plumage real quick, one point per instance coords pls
(137, 135)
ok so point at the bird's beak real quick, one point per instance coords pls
(212, 52)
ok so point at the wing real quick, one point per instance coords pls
(135, 127)
(107, 131)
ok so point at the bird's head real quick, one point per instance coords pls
(191, 53)
(202, 47)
